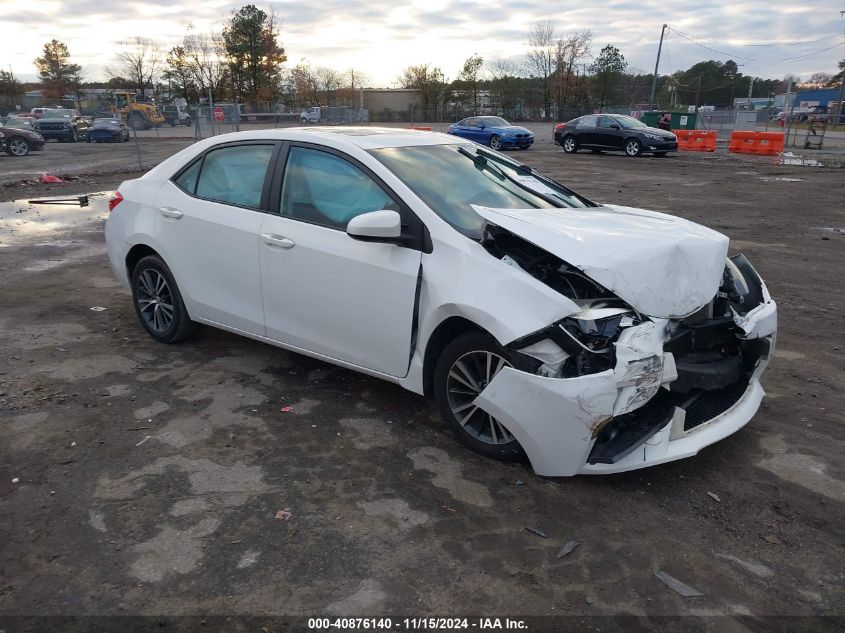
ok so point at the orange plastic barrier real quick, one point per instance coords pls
(696, 140)
(424, 129)
(762, 143)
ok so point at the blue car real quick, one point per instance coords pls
(493, 131)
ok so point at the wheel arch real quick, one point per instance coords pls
(446, 331)
(136, 254)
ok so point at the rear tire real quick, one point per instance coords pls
(464, 368)
(570, 144)
(158, 302)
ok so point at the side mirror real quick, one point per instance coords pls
(376, 226)
(613, 126)
(481, 126)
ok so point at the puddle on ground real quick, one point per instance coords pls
(803, 161)
(30, 219)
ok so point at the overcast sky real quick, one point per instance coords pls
(381, 37)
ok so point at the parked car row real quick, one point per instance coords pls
(19, 138)
(23, 135)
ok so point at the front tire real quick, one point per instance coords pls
(495, 142)
(633, 147)
(158, 302)
(570, 144)
(464, 368)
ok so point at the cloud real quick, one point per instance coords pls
(381, 37)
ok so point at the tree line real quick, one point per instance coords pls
(244, 61)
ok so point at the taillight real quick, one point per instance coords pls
(115, 200)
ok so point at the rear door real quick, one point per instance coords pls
(325, 291)
(586, 130)
(207, 224)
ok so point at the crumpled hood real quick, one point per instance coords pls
(662, 265)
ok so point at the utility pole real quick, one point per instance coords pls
(697, 97)
(841, 91)
(656, 64)
(750, 86)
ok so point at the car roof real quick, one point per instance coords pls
(363, 137)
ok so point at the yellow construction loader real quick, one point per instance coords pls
(139, 116)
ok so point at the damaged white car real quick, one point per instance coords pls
(589, 338)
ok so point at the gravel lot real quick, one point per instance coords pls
(142, 479)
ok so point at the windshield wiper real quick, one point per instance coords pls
(482, 161)
(528, 171)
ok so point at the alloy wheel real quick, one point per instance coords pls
(18, 147)
(632, 148)
(569, 144)
(467, 378)
(155, 300)
(495, 142)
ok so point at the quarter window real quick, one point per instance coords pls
(325, 189)
(234, 175)
(187, 180)
(587, 121)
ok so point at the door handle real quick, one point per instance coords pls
(271, 239)
(170, 212)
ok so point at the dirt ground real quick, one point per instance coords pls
(137, 478)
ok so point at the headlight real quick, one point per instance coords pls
(653, 137)
(508, 134)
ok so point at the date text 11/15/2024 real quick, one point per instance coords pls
(417, 624)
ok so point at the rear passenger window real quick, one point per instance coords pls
(234, 175)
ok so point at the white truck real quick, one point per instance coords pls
(311, 115)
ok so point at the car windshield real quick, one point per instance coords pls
(629, 122)
(56, 114)
(452, 178)
(494, 121)
(107, 121)
(21, 124)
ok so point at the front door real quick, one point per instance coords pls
(609, 134)
(325, 291)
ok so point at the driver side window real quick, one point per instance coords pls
(324, 189)
(587, 121)
(606, 122)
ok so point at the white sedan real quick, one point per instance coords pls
(588, 338)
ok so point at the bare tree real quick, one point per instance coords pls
(140, 62)
(206, 62)
(304, 83)
(569, 51)
(329, 81)
(542, 58)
